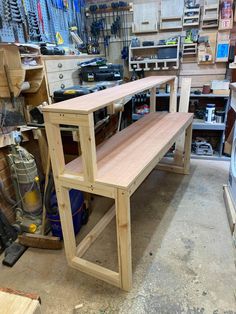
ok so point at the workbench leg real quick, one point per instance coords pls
(124, 239)
(153, 99)
(183, 107)
(66, 222)
(187, 149)
(173, 95)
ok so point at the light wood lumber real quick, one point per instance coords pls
(96, 271)
(114, 169)
(18, 304)
(75, 182)
(173, 95)
(95, 232)
(183, 107)
(92, 102)
(124, 238)
(153, 99)
(170, 168)
(40, 241)
(88, 148)
(123, 157)
(58, 164)
(187, 149)
(230, 209)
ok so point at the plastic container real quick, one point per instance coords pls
(210, 113)
(77, 209)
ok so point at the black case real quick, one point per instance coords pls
(167, 53)
(112, 72)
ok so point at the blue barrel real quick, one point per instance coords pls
(77, 209)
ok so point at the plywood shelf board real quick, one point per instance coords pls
(170, 27)
(151, 47)
(154, 61)
(191, 17)
(171, 18)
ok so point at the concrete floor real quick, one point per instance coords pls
(183, 257)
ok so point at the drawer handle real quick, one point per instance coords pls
(59, 65)
(61, 76)
(62, 86)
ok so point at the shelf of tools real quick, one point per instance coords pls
(34, 21)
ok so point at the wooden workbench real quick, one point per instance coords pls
(115, 168)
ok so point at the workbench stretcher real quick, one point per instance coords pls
(114, 169)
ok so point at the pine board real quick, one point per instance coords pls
(92, 102)
(122, 158)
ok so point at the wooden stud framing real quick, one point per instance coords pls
(88, 148)
(230, 208)
(173, 95)
(124, 238)
(66, 177)
(183, 107)
(187, 149)
(153, 99)
(95, 232)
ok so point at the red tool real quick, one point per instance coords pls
(40, 15)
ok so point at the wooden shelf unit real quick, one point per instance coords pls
(189, 49)
(171, 23)
(171, 15)
(154, 63)
(195, 17)
(104, 171)
(210, 16)
(18, 73)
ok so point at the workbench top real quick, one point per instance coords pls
(92, 102)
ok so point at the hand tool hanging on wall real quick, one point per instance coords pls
(50, 21)
(116, 25)
(15, 11)
(12, 14)
(125, 49)
(103, 7)
(65, 12)
(95, 26)
(79, 6)
(1, 22)
(34, 30)
(40, 16)
(6, 10)
(25, 25)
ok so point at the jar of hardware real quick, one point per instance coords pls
(210, 113)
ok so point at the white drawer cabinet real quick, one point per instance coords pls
(61, 65)
(63, 75)
(63, 71)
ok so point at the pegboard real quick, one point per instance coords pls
(60, 21)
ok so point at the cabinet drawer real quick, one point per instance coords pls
(62, 76)
(61, 65)
(62, 84)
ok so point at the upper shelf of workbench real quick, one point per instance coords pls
(92, 102)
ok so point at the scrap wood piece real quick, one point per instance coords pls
(40, 241)
(32, 296)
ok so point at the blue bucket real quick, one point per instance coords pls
(77, 210)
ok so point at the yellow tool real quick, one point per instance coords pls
(59, 38)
